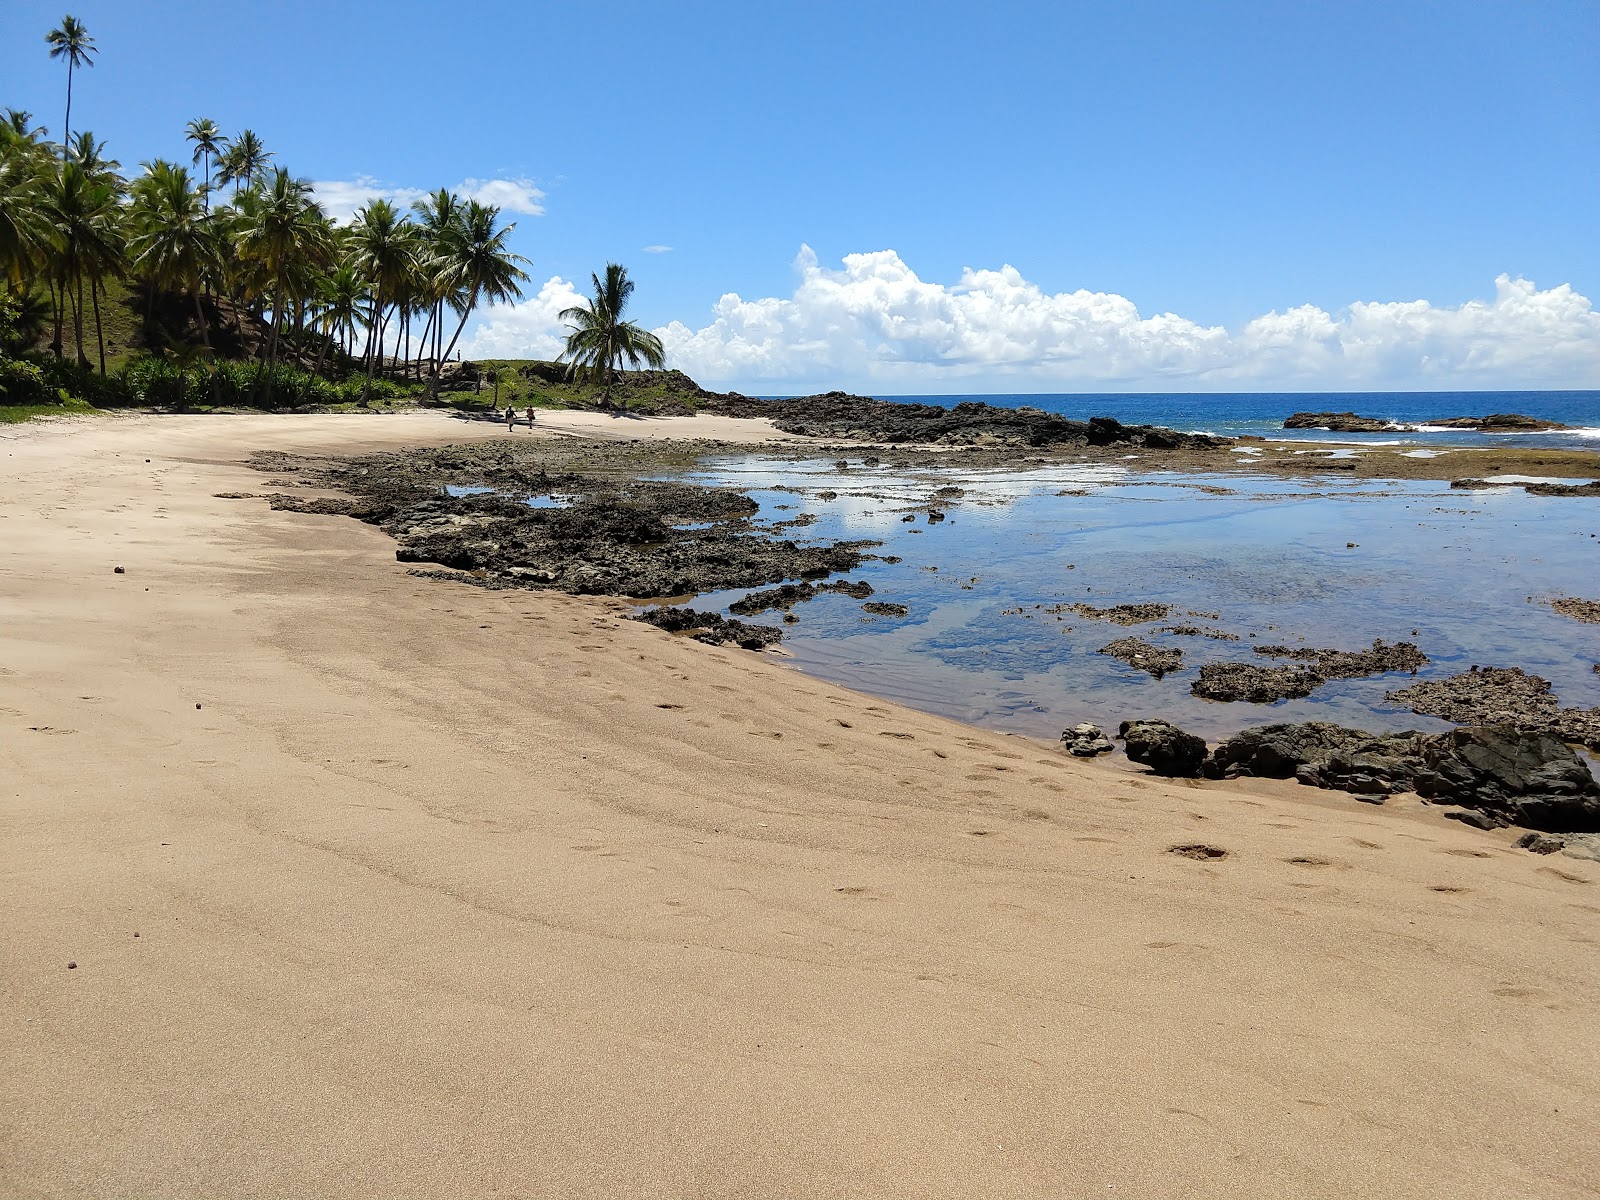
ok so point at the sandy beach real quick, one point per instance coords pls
(378, 885)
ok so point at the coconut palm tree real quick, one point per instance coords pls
(439, 223)
(206, 137)
(476, 266)
(382, 246)
(344, 305)
(25, 232)
(285, 232)
(73, 43)
(600, 339)
(88, 242)
(243, 161)
(173, 246)
(104, 251)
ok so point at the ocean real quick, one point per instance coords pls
(1251, 559)
(1261, 414)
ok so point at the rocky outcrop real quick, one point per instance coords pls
(1341, 422)
(1086, 741)
(1232, 681)
(790, 594)
(1143, 656)
(1502, 696)
(860, 418)
(884, 608)
(1510, 776)
(1163, 747)
(711, 628)
(1380, 659)
(1575, 490)
(1587, 611)
(1348, 422)
(1123, 614)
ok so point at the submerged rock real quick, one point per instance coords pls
(1163, 747)
(1086, 741)
(882, 608)
(1144, 656)
(1231, 681)
(1355, 664)
(1123, 614)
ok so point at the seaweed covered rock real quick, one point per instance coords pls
(1233, 681)
(1163, 747)
(712, 628)
(1321, 754)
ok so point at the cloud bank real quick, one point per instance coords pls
(343, 197)
(873, 325)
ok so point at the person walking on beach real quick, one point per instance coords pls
(530, 416)
(511, 419)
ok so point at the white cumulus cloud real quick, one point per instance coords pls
(342, 198)
(874, 325)
(529, 329)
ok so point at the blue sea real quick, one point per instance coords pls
(1309, 562)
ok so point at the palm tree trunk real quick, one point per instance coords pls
(99, 334)
(200, 313)
(66, 135)
(77, 321)
(58, 301)
(472, 303)
(375, 345)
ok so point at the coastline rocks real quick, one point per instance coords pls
(790, 594)
(1508, 776)
(1587, 611)
(860, 418)
(1573, 845)
(711, 628)
(1321, 754)
(1502, 696)
(882, 608)
(1591, 489)
(1381, 659)
(1143, 656)
(1086, 741)
(1123, 614)
(1232, 682)
(1163, 747)
(1349, 422)
(1345, 422)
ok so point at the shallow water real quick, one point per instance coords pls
(1459, 573)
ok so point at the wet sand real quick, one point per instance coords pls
(441, 891)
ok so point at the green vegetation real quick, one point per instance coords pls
(223, 283)
(601, 340)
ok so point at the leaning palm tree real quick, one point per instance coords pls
(439, 223)
(600, 339)
(206, 137)
(73, 43)
(477, 266)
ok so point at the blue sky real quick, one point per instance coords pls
(1220, 162)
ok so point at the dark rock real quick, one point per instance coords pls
(1144, 656)
(1355, 664)
(1254, 685)
(880, 608)
(1512, 776)
(1502, 696)
(711, 628)
(840, 415)
(1471, 817)
(1163, 747)
(1342, 422)
(1541, 843)
(1587, 611)
(1123, 614)
(1086, 741)
(118, 571)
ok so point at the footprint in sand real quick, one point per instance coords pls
(842, 724)
(49, 729)
(1198, 851)
(1467, 853)
(1564, 875)
(904, 737)
(1311, 860)
(1366, 845)
(669, 706)
(855, 891)
(1448, 889)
